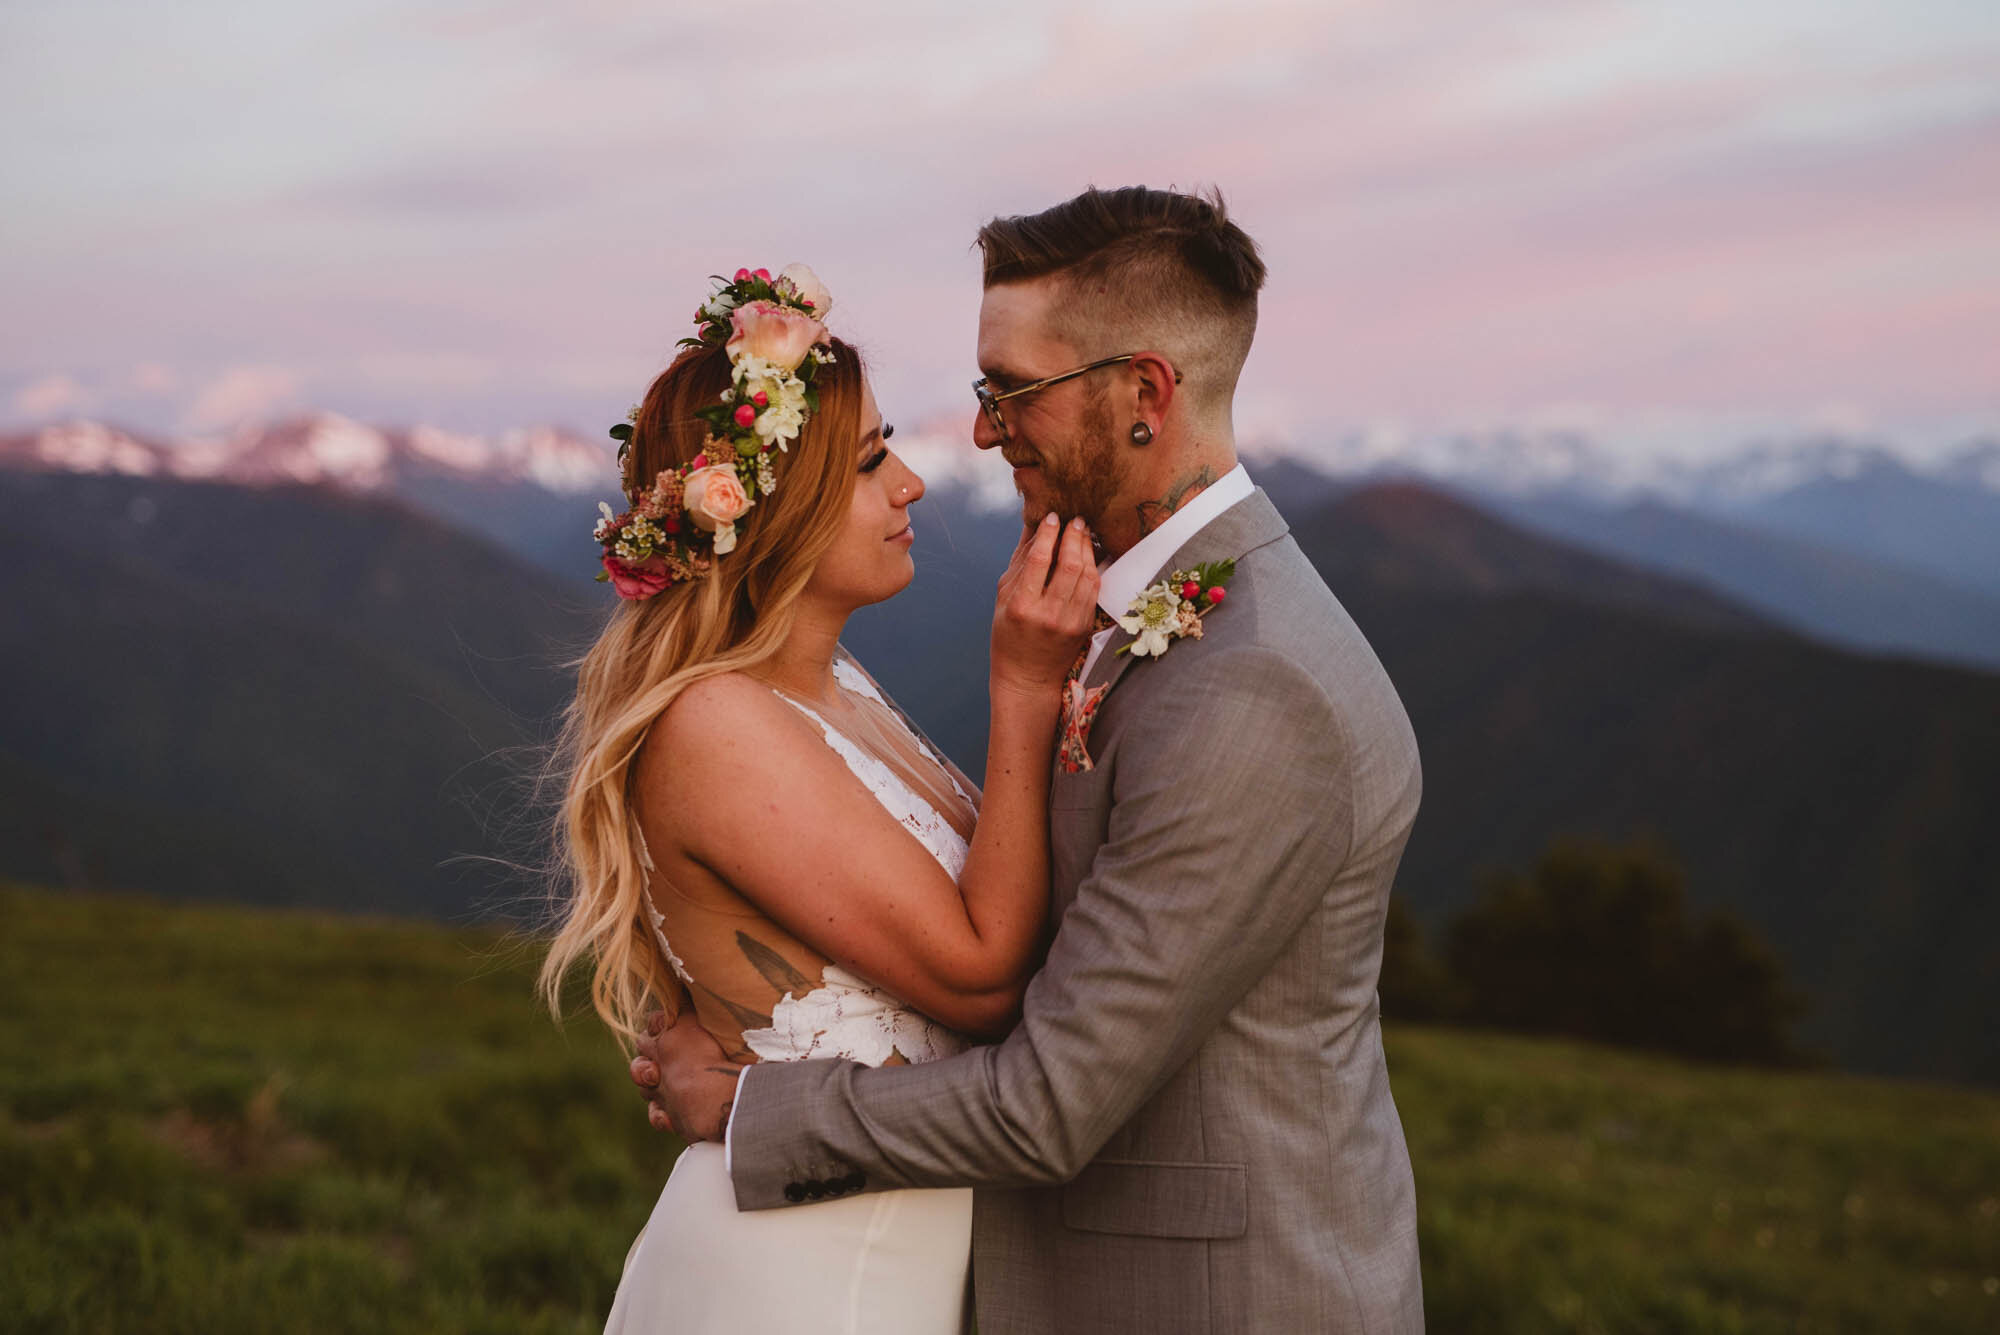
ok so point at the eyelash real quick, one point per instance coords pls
(874, 461)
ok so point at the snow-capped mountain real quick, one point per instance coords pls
(324, 448)
(1527, 463)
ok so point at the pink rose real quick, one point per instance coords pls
(778, 334)
(714, 496)
(637, 579)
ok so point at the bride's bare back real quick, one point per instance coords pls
(764, 991)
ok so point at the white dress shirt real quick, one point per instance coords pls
(1127, 577)
(1118, 584)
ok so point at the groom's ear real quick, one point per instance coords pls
(1157, 383)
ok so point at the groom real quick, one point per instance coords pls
(1191, 1127)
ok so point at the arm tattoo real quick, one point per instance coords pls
(1152, 514)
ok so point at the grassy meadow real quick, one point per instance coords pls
(222, 1120)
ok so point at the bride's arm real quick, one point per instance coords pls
(752, 793)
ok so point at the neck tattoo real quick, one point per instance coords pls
(1154, 513)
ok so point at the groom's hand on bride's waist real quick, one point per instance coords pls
(688, 1081)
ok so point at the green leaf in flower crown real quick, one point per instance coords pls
(623, 431)
(808, 369)
(812, 398)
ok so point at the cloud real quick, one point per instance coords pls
(50, 395)
(242, 394)
(152, 378)
(484, 215)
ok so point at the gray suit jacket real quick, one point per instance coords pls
(1191, 1127)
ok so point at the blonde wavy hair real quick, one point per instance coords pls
(731, 620)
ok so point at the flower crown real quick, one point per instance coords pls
(687, 515)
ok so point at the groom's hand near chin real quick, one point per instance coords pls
(688, 1081)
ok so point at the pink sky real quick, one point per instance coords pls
(1670, 221)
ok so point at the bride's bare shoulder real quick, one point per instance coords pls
(725, 722)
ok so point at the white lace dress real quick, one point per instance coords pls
(882, 1263)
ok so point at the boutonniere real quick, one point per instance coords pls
(1174, 607)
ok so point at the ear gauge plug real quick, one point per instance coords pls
(1141, 434)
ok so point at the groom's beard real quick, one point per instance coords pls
(1082, 478)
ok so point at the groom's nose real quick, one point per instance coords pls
(983, 433)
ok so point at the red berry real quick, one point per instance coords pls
(1215, 594)
(1190, 589)
(671, 523)
(760, 398)
(763, 275)
(745, 415)
(700, 461)
(806, 302)
(742, 275)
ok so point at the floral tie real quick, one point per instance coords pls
(1079, 707)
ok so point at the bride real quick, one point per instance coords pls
(750, 827)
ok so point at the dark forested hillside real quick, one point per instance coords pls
(282, 695)
(290, 695)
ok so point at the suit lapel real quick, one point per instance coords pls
(1243, 527)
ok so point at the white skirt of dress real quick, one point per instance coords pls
(882, 1263)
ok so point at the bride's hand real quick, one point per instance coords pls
(1042, 614)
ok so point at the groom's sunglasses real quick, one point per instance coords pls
(989, 402)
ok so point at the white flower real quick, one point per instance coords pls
(805, 285)
(783, 414)
(1154, 618)
(725, 539)
(847, 1017)
(720, 301)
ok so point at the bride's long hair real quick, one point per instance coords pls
(730, 620)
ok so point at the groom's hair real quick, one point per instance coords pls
(1141, 268)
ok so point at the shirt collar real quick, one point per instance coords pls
(1125, 578)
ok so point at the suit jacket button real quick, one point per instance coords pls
(855, 1180)
(815, 1190)
(795, 1192)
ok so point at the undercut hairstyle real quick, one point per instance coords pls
(1141, 269)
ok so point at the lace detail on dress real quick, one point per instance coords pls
(846, 1017)
(659, 918)
(917, 816)
(851, 678)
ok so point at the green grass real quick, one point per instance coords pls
(221, 1120)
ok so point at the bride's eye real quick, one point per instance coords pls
(874, 461)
